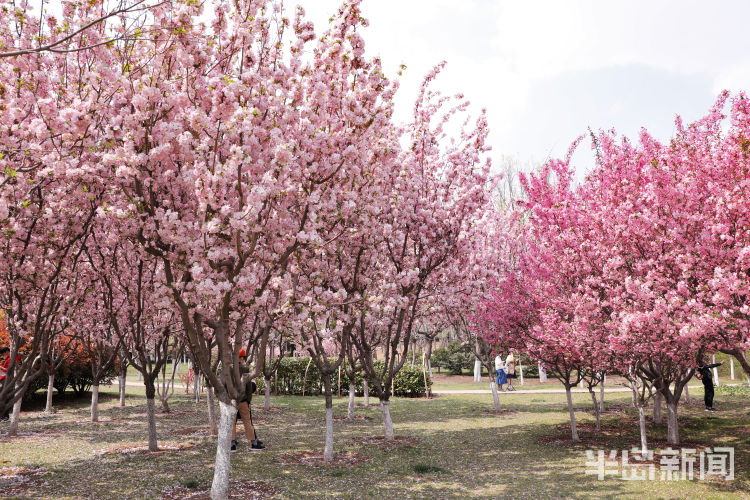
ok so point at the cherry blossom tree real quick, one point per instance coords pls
(439, 193)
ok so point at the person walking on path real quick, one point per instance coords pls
(243, 408)
(510, 370)
(703, 372)
(500, 379)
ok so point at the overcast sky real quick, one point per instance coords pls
(548, 70)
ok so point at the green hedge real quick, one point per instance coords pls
(409, 381)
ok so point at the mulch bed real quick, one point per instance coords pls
(315, 459)
(142, 448)
(101, 421)
(36, 435)
(250, 490)
(274, 409)
(191, 431)
(398, 441)
(355, 418)
(18, 480)
(611, 436)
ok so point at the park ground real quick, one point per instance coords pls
(452, 446)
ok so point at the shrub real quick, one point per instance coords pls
(290, 376)
(460, 358)
(439, 358)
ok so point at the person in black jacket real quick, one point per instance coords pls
(703, 372)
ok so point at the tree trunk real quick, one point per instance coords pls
(542, 373)
(385, 408)
(165, 404)
(657, 408)
(731, 368)
(573, 430)
(477, 370)
(716, 371)
(642, 426)
(95, 403)
(673, 433)
(15, 416)
(220, 484)
(596, 409)
(196, 387)
(495, 397)
(687, 394)
(520, 369)
(601, 394)
(350, 412)
(428, 357)
(328, 450)
(267, 393)
(153, 445)
(212, 411)
(366, 393)
(50, 388)
(123, 378)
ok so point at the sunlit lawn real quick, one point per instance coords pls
(462, 451)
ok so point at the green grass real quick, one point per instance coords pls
(463, 450)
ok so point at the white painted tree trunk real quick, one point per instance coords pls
(350, 412)
(211, 410)
(642, 426)
(197, 389)
(520, 369)
(50, 388)
(122, 379)
(477, 370)
(366, 392)
(328, 450)
(267, 393)
(657, 408)
(731, 368)
(95, 403)
(220, 484)
(542, 373)
(573, 429)
(495, 397)
(673, 433)
(716, 371)
(601, 395)
(14, 417)
(153, 445)
(385, 408)
(687, 394)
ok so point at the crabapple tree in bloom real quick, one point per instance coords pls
(51, 116)
(222, 155)
(138, 309)
(438, 194)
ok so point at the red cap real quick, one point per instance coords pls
(242, 353)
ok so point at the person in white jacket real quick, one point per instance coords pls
(501, 379)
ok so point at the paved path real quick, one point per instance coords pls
(488, 391)
(542, 391)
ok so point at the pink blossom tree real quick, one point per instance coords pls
(438, 195)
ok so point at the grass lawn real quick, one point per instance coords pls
(459, 449)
